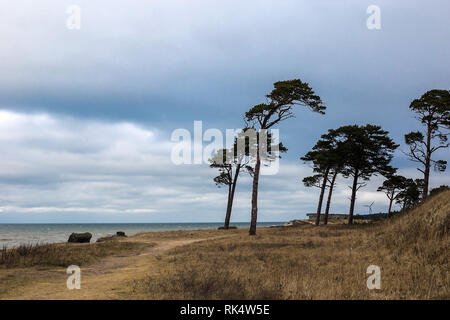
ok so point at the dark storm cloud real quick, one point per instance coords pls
(192, 59)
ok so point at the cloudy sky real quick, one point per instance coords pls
(86, 115)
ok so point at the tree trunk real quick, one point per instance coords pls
(330, 192)
(228, 212)
(353, 199)
(322, 192)
(231, 197)
(252, 230)
(426, 174)
(391, 199)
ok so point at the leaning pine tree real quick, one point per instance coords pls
(369, 151)
(229, 162)
(224, 178)
(337, 156)
(318, 181)
(433, 111)
(326, 161)
(392, 187)
(278, 107)
(411, 193)
(332, 182)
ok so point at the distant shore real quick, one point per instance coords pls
(14, 235)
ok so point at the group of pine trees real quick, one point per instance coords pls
(352, 151)
(359, 152)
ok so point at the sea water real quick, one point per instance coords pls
(13, 235)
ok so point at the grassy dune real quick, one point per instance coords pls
(307, 262)
(61, 254)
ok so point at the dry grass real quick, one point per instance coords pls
(61, 254)
(187, 234)
(307, 262)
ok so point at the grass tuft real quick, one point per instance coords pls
(60, 254)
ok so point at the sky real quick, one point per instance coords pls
(86, 115)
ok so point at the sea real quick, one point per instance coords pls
(14, 235)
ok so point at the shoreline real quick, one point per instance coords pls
(16, 235)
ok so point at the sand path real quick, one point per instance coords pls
(109, 278)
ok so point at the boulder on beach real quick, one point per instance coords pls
(80, 237)
(119, 234)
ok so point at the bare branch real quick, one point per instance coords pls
(438, 147)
